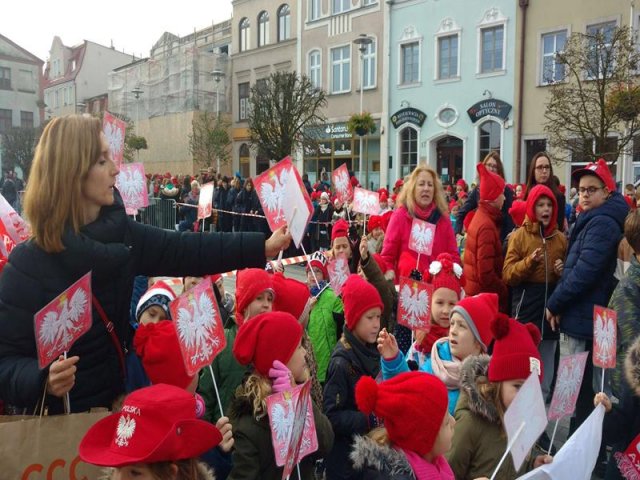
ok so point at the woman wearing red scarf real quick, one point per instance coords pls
(421, 197)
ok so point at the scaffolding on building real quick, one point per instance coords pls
(176, 78)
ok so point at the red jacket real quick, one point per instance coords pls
(396, 240)
(483, 255)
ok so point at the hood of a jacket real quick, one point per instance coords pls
(534, 195)
(366, 453)
(632, 366)
(473, 367)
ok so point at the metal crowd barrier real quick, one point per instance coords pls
(161, 213)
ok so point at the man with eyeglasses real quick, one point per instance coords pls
(588, 276)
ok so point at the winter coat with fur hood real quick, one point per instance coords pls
(379, 462)
(479, 439)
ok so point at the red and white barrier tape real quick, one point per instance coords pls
(284, 261)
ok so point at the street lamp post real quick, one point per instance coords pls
(363, 41)
(137, 91)
(217, 76)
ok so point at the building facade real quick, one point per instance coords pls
(451, 85)
(161, 94)
(353, 77)
(74, 74)
(20, 88)
(265, 40)
(545, 35)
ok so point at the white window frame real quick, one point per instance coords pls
(370, 65)
(318, 67)
(492, 18)
(341, 62)
(600, 21)
(366, 3)
(284, 23)
(409, 35)
(448, 27)
(345, 6)
(399, 146)
(314, 9)
(244, 43)
(263, 29)
(243, 104)
(540, 54)
(477, 132)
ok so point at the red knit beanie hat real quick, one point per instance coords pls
(358, 296)
(157, 346)
(319, 260)
(159, 294)
(375, 221)
(411, 404)
(339, 229)
(291, 295)
(515, 350)
(267, 337)
(250, 283)
(445, 272)
(479, 312)
(491, 184)
(518, 211)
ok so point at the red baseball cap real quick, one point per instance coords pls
(156, 424)
(600, 170)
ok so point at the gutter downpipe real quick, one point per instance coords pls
(523, 29)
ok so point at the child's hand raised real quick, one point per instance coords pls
(542, 460)
(604, 400)
(224, 426)
(364, 248)
(387, 345)
(281, 377)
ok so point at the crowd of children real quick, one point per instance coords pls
(431, 409)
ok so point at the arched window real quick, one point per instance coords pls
(408, 150)
(489, 138)
(315, 69)
(245, 34)
(284, 23)
(263, 29)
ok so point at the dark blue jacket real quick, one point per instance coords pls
(587, 279)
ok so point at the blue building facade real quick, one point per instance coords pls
(451, 85)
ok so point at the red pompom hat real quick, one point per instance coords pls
(358, 296)
(411, 404)
(267, 337)
(491, 184)
(479, 312)
(156, 424)
(250, 283)
(339, 229)
(292, 296)
(375, 221)
(399, 183)
(515, 350)
(518, 211)
(462, 183)
(157, 346)
(445, 272)
(384, 197)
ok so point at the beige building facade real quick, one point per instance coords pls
(336, 64)
(265, 40)
(161, 94)
(547, 24)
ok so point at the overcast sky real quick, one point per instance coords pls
(133, 25)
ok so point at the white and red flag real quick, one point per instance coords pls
(114, 129)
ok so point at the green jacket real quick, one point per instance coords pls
(253, 456)
(479, 440)
(323, 330)
(229, 374)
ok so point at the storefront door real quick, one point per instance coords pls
(449, 154)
